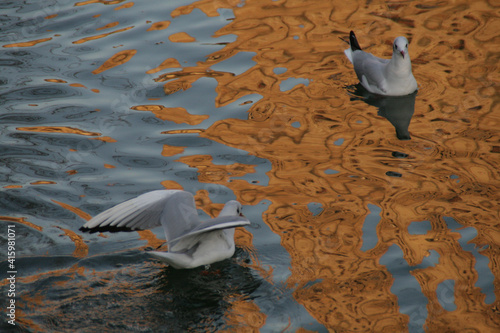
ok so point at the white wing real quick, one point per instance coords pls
(188, 240)
(174, 209)
(179, 215)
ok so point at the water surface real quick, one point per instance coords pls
(368, 215)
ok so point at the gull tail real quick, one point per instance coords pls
(353, 42)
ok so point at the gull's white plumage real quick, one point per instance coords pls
(191, 242)
(388, 77)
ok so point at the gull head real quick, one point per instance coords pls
(232, 208)
(400, 47)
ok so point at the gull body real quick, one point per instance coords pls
(191, 242)
(387, 77)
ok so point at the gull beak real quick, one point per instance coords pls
(241, 214)
(403, 54)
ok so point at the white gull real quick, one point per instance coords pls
(387, 77)
(191, 242)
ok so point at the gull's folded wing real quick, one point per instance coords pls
(188, 240)
(370, 70)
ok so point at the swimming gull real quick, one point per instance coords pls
(388, 77)
(191, 242)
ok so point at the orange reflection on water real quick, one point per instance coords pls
(87, 39)
(244, 316)
(77, 85)
(58, 129)
(116, 60)
(184, 131)
(74, 210)
(210, 173)
(81, 249)
(172, 185)
(151, 239)
(159, 25)
(105, 2)
(43, 182)
(68, 130)
(172, 150)
(168, 63)
(28, 44)
(329, 149)
(104, 139)
(56, 81)
(109, 25)
(125, 5)
(209, 7)
(182, 80)
(21, 220)
(13, 186)
(178, 115)
(181, 37)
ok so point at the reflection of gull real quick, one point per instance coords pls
(191, 243)
(383, 76)
(397, 109)
(183, 300)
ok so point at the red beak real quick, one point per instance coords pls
(403, 54)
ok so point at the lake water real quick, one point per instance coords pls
(368, 214)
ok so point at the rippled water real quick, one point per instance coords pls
(368, 214)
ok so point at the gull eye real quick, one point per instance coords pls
(406, 45)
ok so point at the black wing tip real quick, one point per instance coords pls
(107, 229)
(354, 41)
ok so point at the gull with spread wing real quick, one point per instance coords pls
(387, 77)
(191, 242)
